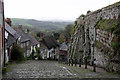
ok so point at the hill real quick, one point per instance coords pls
(37, 25)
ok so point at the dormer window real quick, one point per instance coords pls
(19, 38)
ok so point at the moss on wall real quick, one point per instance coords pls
(74, 27)
(108, 24)
(102, 47)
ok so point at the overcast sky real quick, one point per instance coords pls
(52, 9)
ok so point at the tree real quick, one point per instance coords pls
(88, 11)
(56, 35)
(73, 28)
(82, 15)
(62, 38)
(38, 34)
(67, 31)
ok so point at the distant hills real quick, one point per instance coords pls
(36, 25)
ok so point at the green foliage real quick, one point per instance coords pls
(88, 11)
(67, 31)
(3, 70)
(98, 44)
(36, 26)
(38, 49)
(17, 53)
(35, 56)
(119, 17)
(114, 44)
(56, 35)
(62, 38)
(73, 29)
(107, 24)
(38, 34)
(30, 57)
(39, 57)
(113, 26)
(82, 15)
(116, 31)
(102, 47)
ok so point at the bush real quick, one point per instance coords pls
(116, 31)
(3, 70)
(39, 57)
(38, 49)
(17, 53)
(73, 28)
(30, 57)
(115, 44)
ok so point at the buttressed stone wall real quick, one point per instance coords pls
(97, 36)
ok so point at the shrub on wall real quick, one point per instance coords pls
(38, 49)
(73, 29)
(39, 57)
(107, 24)
(116, 31)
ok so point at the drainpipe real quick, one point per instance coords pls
(3, 32)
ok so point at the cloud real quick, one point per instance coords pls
(52, 9)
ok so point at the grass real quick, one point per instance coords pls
(114, 73)
(8, 68)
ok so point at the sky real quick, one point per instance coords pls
(48, 10)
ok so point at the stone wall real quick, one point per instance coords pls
(91, 42)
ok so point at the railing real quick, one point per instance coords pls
(78, 62)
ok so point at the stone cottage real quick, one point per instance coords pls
(33, 43)
(10, 38)
(43, 50)
(63, 52)
(24, 41)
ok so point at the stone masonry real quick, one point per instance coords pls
(86, 34)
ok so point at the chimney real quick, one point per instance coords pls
(69, 39)
(20, 27)
(28, 30)
(41, 34)
(58, 41)
(8, 20)
(64, 40)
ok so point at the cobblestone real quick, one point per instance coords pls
(52, 69)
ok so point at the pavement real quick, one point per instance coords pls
(98, 69)
(52, 69)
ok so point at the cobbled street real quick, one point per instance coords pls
(52, 69)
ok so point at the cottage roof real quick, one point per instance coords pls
(32, 39)
(50, 42)
(23, 35)
(64, 47)
(10, 29)
(42, 46)
(11, 40)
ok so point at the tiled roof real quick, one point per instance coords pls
(24, 37)
(10, 29)
(11, 40)
(32, 39)
(12, 36)
(42, 46)
(64, 47)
